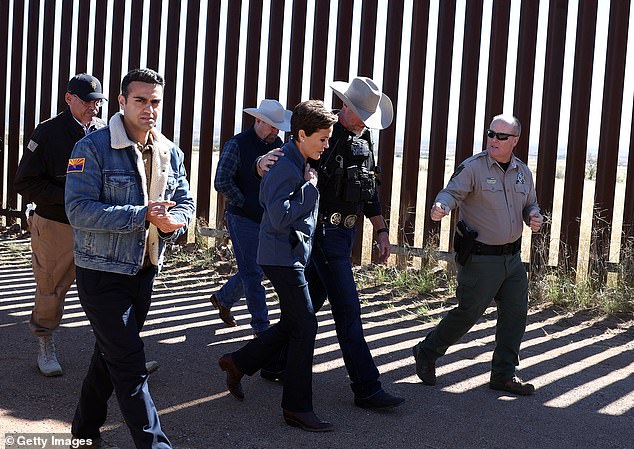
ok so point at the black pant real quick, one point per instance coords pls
(116, 306)
(297, 328)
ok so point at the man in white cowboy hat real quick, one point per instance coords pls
(236, 180)
(347, 187)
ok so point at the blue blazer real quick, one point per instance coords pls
(290, 212)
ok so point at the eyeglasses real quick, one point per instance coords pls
(97, 103)
(499, 136)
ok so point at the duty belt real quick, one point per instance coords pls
(337, 218)
(497, 250)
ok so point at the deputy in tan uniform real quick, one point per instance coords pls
(496, 195)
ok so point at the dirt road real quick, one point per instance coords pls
(583, 370)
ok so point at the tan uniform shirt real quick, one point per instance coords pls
(492, 201)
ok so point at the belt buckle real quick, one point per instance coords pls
(350, 221)
(334, 218)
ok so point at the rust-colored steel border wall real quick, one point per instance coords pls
(292, 19)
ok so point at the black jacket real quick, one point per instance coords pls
(41, 175)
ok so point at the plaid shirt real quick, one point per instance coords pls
(228, 166)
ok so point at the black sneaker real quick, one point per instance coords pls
(514, 385)
(380, 400)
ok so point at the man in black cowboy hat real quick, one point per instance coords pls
(347, 187)
(237, 182)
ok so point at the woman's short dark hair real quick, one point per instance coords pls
(311, 116)
(144, 75)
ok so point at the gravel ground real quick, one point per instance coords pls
(583, 369)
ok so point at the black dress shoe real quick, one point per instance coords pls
(234, 375)
(513, 385)
(307, 421)
(223, 312)
(380, 400)
(425, 367)
(273, 376)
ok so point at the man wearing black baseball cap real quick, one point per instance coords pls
(41, 179)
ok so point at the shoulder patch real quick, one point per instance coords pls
(32, 145)
(76, 165)
(458, 170)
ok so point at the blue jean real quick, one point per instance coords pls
(116, 306)
(295, 332)
(329, 274)
(248, 280)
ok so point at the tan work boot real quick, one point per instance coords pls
(47, 359)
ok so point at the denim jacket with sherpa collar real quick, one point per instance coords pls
(106, 198)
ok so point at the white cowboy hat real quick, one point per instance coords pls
(273, 113)
(366, 100)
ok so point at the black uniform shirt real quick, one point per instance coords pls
(41, 175)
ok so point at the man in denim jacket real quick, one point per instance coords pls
(126, 195)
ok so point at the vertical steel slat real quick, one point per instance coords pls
(608, 156)
(189, 80)
(31, 69)
(227, 123)
(171, 68)
(497, 61)
(525, 73)
(549, 122)
(118, 14)
(82, 37)
(342, 45)
(252, 63)
(15, 101)
(99, 50)
(136, 25)
(468, 91)
(296, 60)
(413, 119)
(46, 77)
(4, 53)
(154, 35)
(320, 49)
(64, 53)
(208, 110)
(387, 137)
(578, 134)
(274, 59)
(440, 113)
(368, 38)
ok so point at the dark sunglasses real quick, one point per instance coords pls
(499, 136)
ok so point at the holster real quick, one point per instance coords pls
(463, 241)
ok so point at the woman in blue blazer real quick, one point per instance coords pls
(289, 196)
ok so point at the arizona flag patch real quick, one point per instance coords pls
(76, 165)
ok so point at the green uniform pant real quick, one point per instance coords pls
(482, 279)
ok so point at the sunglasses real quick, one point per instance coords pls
(97, 103)
(499, 136)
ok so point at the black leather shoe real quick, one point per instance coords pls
(234, 375)
(307, 421)
(273, 376)
(223, 311)
(513, 385)
(425, 367)
(380, 400)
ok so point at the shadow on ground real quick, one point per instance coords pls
(582, 368)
